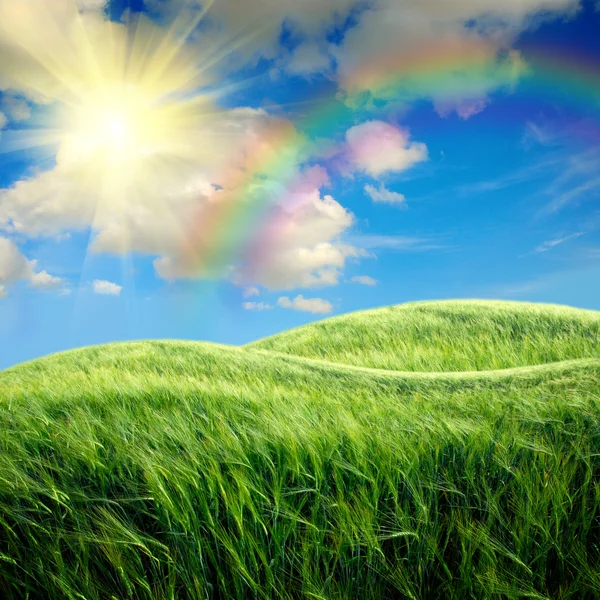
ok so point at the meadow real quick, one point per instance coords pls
(431, 450)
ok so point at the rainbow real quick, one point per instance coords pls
(240, 224)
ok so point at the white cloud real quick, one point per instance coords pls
(299, 245)
(106, 288)
(377, 147)
(3, 120)
(157, 208)
(313, 305)
(308, 58)
(364, 280)
(250, 30)
(251, 291)
(256, 306)
(382, 194)
(45, 281)
(15, 267)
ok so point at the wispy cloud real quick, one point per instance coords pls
(586, 190)
(521, 175)
(251, 291)
(571, 177)
(397, 243)
(536, 133)
(592, 253)
(364, 280)
(256, 306)
(548, 245)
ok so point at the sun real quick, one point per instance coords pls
(128, 111)
(117, 130)
(112, 125)
(118, 93)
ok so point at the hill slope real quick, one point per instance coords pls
(447, 336)
(163, 470)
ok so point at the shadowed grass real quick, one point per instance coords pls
(175, 470)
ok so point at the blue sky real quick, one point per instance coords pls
(469, 183)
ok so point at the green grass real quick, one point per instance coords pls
(175, 470)
(447, 336)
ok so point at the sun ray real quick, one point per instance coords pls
(26, 139)
(231, 46)
(174, 41)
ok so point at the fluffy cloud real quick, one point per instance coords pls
(364, 280)
(299, 245)
(256, 306)
(15, 267)
(377, 147)
(44, 281)
(313, 305)
(251, 291)
(106, 288)
(307, 59)
(159, 213)
(3, 120)
(250, 30)
(382, 194)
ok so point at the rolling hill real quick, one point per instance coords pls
(447, 336)
(429, 450)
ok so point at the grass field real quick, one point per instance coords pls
(432, 450)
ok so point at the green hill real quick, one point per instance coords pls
(447, 336)
(176, 470)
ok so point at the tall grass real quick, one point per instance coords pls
(165, 470)
(447, 336)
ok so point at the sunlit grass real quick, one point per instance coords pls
(172, 470)
(448, 336)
